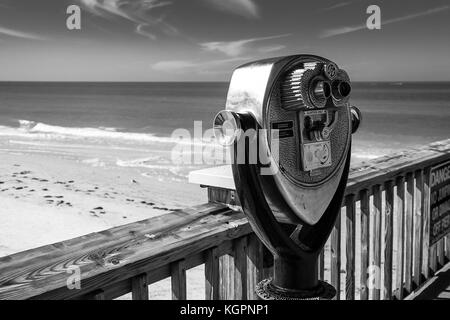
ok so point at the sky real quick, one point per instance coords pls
(204, 40)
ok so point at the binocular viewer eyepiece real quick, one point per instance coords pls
(291, 115)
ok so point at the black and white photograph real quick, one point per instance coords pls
(233, 150)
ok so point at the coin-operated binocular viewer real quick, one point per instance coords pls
(289, 124)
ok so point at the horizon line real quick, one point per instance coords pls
(196, 81)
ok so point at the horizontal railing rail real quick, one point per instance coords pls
(378, 249)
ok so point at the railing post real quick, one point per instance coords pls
(336, 257)
(400, 232)
(322, 265)
(447, 247)
(433, 259)
(409, 231)
(350, 225)
(426, 225)
(418, 202)
(441, 252)
(365, 235)
(376, 244)
(178, 272)
(388, 239)
(240, 272)
(226, 267)
(212, 277)
(139, 287)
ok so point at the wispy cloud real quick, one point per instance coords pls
(343, 30)
(138, 12)
(237, 47)
(245, 8)
(19, 34)
(337, 6)
(273, 48)
(182, 66)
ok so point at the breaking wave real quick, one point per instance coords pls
(39, 130)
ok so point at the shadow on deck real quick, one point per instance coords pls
(437, 288)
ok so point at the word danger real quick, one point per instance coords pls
(439, 202)
(441, 175)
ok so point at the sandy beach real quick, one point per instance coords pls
(46, 198)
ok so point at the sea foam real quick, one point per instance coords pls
(38, 130)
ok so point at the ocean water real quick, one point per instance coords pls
(132, 124)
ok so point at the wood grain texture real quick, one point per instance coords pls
(322, 265)
(409, 211)
(376, 245)
(426, 225)
(226, 277)
(441, 253)
(417, 237)
(400, 232)
(365, 236)
(143, 247)
(178, 274)
(447, 247)
(350, 247)
(336, 257)
(240, 269)
(388, 239)
(212, 276)
(433, 259)
(139, 287)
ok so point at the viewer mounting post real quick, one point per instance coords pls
(290, 123)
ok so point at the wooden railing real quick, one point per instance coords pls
(379, 248)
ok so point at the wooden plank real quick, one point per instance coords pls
(388, 167)
(350, 247)
(417, 237)
(447, 247)
(212, 277)
(220, 195)
(254, 265)
(365, 235)
(433, 259)
(139, 287)
(409, 207)
(240, 272)
(426, 225)
(114, 236)
(113, 263)
(441, 253)
(388, 239)
(322, 265)
(178, 280)
(376, 245)
(399, 211)
(336, 258)
(227, 277)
